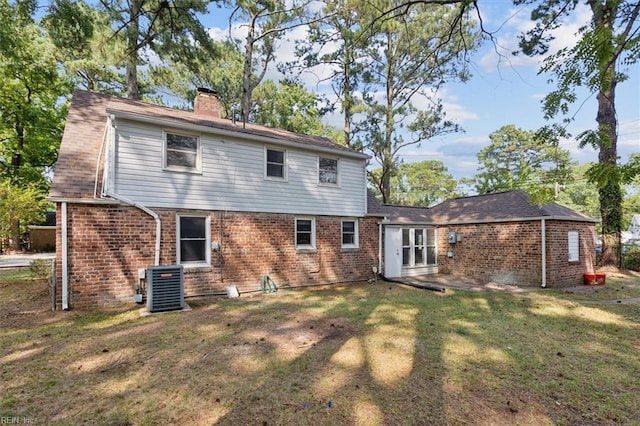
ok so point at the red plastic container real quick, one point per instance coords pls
(595, 279)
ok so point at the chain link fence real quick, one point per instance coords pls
(37, 271)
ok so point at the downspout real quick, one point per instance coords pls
(148, 211)
(107, 185)
(379, 247)
(65, 263)
(544, 252)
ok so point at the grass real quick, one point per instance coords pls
(359, 354)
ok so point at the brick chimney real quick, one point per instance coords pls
(207, 104)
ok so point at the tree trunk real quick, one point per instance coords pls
(133, 32)
(610, 192)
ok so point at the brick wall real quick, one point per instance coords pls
(510, 253)
(561, 272)
(107, 245)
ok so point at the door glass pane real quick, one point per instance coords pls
(406, 256)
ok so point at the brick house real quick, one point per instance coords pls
(138, 185)
(498, 237)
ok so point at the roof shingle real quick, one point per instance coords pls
(497, 207)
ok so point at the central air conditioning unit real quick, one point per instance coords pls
(165, 288)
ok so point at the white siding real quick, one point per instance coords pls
(232, 177)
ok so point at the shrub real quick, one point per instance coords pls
(631, 258)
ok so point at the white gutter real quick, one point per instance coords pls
(108, 184)
(148, 211)
(544, 252)
(187, 125)
(65, 263)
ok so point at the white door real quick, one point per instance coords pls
(392, 252)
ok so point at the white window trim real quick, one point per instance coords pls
(165, 166)
(311, 246)
(207, 245)
(337, 183)
(356, 237)
(284, 177)
(573, 244)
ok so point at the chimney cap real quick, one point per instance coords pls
(206, 90)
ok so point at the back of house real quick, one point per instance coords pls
(138, 185)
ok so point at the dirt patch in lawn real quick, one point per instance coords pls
(357, 354)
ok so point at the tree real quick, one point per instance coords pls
(32, 98)
(288, 106)
(336, 43)
(423, 183)
(519, 159)
(611, 39)
(266, 22)
(128, 33)
(85, 48)
(408, 58)
(578, 194)
(222, 74)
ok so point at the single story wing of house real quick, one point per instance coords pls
(139, 185)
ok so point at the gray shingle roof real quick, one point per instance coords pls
(498, 207)
(75, 171)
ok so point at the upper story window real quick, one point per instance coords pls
(275, 164)
(182, 152)
(327, 170)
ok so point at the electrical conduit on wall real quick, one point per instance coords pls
(543, 237)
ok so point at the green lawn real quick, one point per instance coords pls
(361, 354)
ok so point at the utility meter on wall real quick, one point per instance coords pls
(452, 237)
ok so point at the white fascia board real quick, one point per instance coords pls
(71, 200)
(179, 124)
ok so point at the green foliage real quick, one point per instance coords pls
(423, 183)
(20, 206)
(580, 194)
(266, 22)
(86, 48)
(604, 49)
(519, 159)
(32, 98)
(288, 106)
(631, 258)
(404, 55)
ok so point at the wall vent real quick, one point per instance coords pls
(165, 288)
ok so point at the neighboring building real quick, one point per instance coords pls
(42, 237)
(499, 237)
(138, 185)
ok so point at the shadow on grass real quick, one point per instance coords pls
(357, 354)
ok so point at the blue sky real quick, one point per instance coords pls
(503, 90)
